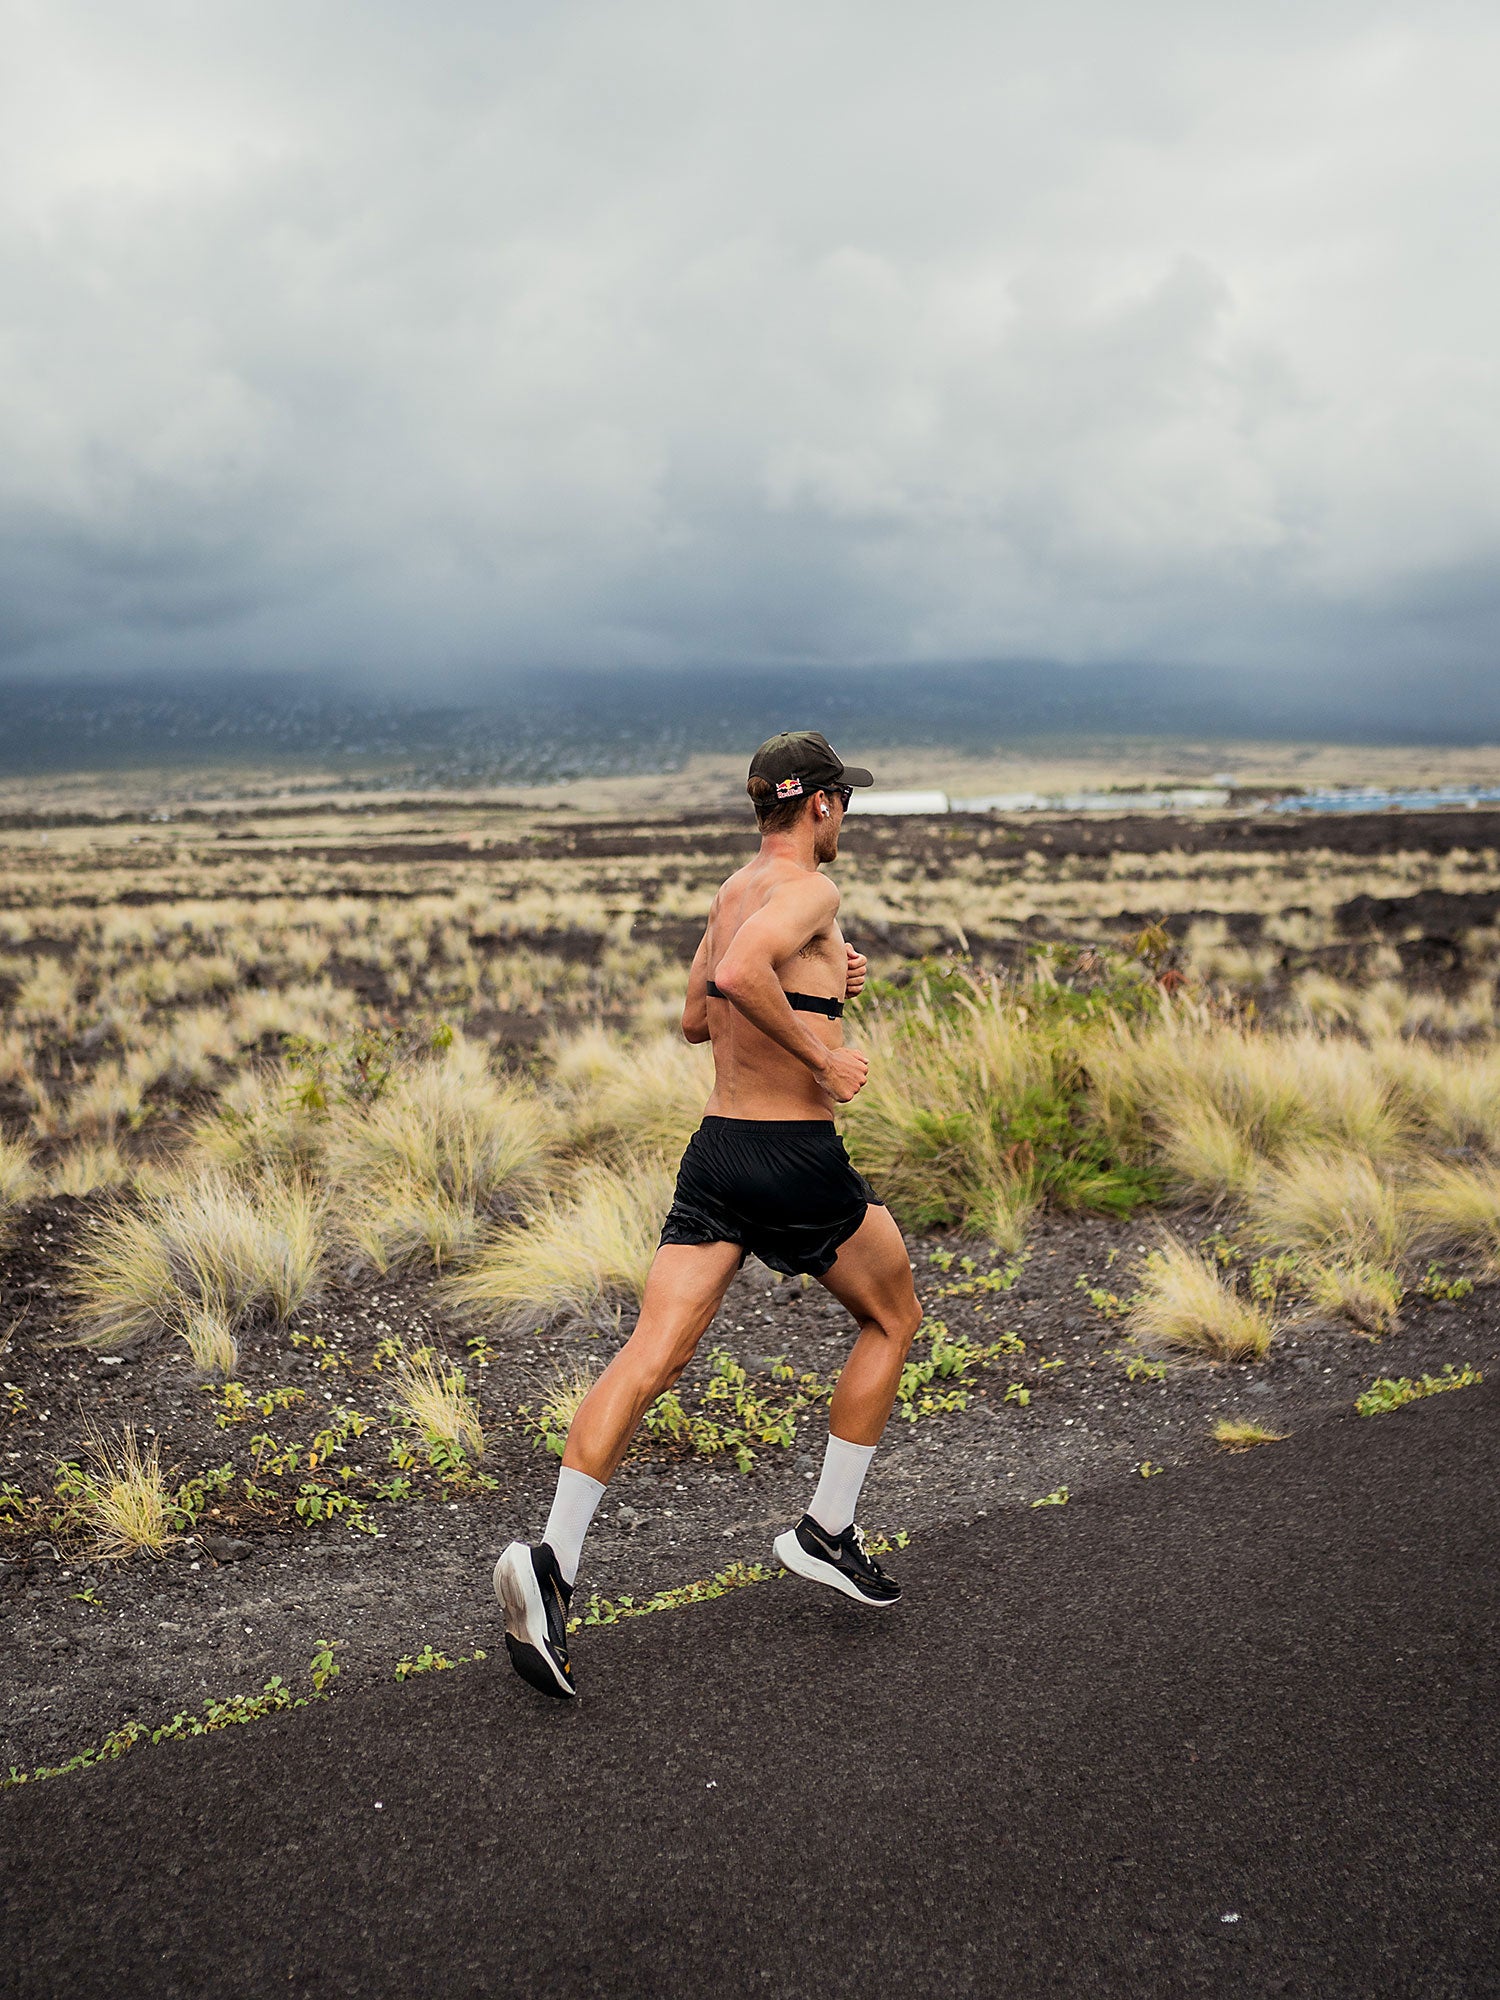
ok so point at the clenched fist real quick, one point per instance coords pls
(844, 1074)
(854, 977)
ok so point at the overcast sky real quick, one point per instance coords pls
(475, 334)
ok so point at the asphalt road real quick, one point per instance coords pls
(1232, 1730)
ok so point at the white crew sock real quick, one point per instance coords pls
(844, 1469)
(573, 1507)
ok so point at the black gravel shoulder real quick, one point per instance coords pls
(1230, 1731)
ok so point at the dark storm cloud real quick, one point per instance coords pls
(426, 340)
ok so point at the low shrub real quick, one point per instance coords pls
(977, 1108)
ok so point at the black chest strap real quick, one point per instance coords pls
(800, 1003)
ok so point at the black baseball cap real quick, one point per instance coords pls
(800, 762)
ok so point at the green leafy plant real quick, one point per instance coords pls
(429, 1661)
(610, 1611)
(323, 1668)
(1432, 1285)
(1110, 1304)
(1137, 1367)
(1270, 1277)
(225, 1713)
(937, 1378)
(734, 1414)
(1388, 1393)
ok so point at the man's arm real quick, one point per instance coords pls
(746, 976)
(695, 1007)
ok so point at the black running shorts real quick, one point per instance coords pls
(782, 1187)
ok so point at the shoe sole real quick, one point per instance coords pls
(791, 1555)
(526, 1623)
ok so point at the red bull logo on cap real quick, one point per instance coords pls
(789, 788)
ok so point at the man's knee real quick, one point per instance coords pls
(898, 1323)
(657, 1366)
(908, 1321)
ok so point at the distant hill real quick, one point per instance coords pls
(548, 725)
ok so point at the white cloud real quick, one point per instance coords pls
(817, 330)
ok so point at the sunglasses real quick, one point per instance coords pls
(843, 793)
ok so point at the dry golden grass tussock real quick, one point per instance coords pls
(263, 1123)
(193, 1244)
(125, 1499)
(1140, 1076)
(319, 1013)
(1004, 1214)
(1324, 1001)
(628, 1097)
(112, 1098)
(563, 1395)
(18, 1183)
(1240, 1433)
(577, 1253)
(419, 1171)
(18, 1177)
(210, 1339)
(432, 1392)
(1185, 1303)
(925, 1125)
(1449, 1097)
(186, 1051)
(1206, 1158)
(18, 1063)
(47, 997)
(86, 1168)
(1272, 1090)
(398, 1227)
(1364, 1294)
(1458, 1207)
(1332, 1205)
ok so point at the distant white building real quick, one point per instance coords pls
(900, 802)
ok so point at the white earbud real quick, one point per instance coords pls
(822, 810)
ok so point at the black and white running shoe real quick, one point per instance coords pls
(530, 1586)
(840, 1561)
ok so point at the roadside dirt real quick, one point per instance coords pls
(91, 1643)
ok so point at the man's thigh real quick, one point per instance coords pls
(872, 1273)
(684, 1290)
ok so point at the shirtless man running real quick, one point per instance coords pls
(765, 1172)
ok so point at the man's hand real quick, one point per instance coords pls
(843, 1074)
(854, 977)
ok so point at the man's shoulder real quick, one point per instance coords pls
(805, 885)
